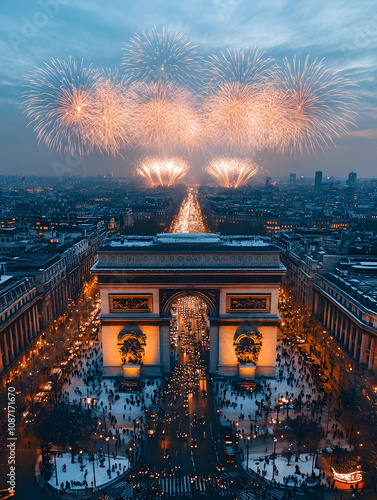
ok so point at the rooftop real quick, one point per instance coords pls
(12, 288)
(361, 286)
(188, 251)
(188, 241)
(32, 262)
(4, 278)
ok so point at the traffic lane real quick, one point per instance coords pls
(179, 449)
(209, 451)
(166, 442)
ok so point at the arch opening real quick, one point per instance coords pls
(207, 296)
(189, 337)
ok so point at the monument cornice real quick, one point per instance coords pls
(196, 279)
(184, 260)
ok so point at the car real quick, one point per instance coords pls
(300, 340)
(229, 453)
(194, 443)
(152, 428)
(153, 412)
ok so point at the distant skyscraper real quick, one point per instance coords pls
(318, 180)
(268, 182)
(292, 179)
(352, 178)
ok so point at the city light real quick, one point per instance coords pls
(190, 217)
(347, 477)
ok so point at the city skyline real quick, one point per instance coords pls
(182, 331)
(341, 33)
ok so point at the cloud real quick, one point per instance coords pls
(366, 134)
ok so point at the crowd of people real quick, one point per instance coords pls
(265, 412)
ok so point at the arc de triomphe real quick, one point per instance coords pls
(140, 277)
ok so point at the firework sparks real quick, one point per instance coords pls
(59, 102)
(245, 105)
(161, 56)
(167, 117)
(319, 104)
(231, 172)
(230, 116)
(246, 66)
(112, 120)
(162, 172)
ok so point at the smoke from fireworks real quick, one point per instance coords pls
(59, 101)
(162, 171)
(231, 172)
(161, 56)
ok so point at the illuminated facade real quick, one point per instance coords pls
(238, 277)
(347, 475)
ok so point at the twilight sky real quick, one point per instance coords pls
(34, 31)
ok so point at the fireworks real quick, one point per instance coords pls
(111, 122)
(167, 118)
(246, 66)
(229, 116)
(190, 217)
(164, 56)
(295, 108)
(241, 104)
(59, 102)
(163, 171)
(319, 104)
(232, 172)
(235, 114)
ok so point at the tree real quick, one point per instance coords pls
(66, 425)
(307, 434)
(287, 453)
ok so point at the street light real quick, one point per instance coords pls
(247, 450)
(273, 467)
(116, 445)
(108, 455)
(104, 419)
(94, 472)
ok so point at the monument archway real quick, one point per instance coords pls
(238, 277)
(189, 331)
(168, 298)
